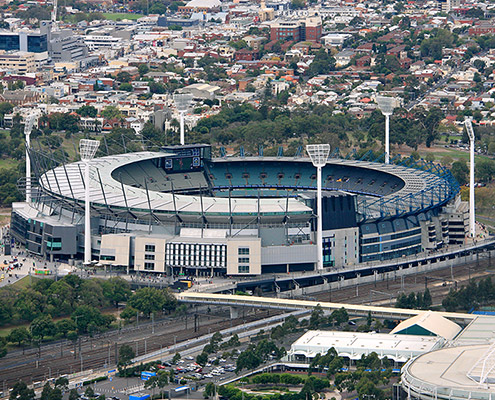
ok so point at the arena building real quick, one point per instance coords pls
(353, 345)
(182, 211)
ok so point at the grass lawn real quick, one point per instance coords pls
(455, 154)
(8, 163)
(116, 16)
(23, 283)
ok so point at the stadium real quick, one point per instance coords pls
(182, 211)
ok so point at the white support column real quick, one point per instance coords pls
(182, 134)
(28, 168)
(472, 216)
(387, 138)
(319, 228)
(87, 216)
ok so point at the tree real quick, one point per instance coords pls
(117, 290)
(248, 359)
(340, 316)
(158, 381)
(111, 112)
(367, 389)
(87, 111)
(45, 393)
(297, 4)
(5, 108)
(460, 171)
(323, 63)
(143, 69)
(126, 87)
(126, 354)
(479, 65)
(427, 300)
(43, 326)
(62, 383)
(73, 394)
(128, 313)
(88, 319)
(124, 76)
(89, 392)
(147, 300)
(210, 390)
(19, 335)
(316, 318)
(20, 391)
(176, 358)
(202, 359)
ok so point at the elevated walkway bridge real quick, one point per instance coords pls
(239, 301)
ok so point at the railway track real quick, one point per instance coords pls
(96, 353)
(384, 292)
(102, 351)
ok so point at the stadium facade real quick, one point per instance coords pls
(181, 211)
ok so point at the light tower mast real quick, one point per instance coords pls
(182, 102)
(54, 12)
(318, 153)
(386, 106)
(87, 150)
(28, 127)
(470, 132)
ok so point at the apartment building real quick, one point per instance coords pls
(20, 62)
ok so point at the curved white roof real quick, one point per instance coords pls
(68, 182)
(399, 348)
(432, 322)
(204, 3)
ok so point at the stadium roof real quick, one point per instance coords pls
(428, 323)
(121, 199)
(480, 330)
(67, 181)
(399, 348)
(442, 374)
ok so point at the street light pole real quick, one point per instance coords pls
(87, 150)
(319, 155)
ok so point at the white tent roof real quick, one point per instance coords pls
(432, 322)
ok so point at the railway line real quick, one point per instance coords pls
(38, 364)
(102, 351)
(384, 292)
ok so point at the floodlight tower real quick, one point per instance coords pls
(319, 155)
(28, 127)
(182, 102)
(386, 106)
(470, 132)
(87, 150)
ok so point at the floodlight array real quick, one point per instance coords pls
(318, 153)
(182, 101)
(386, 104)
(88, 148)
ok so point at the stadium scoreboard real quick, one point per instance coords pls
(185, 158)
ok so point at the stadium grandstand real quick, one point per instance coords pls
(180, 210)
